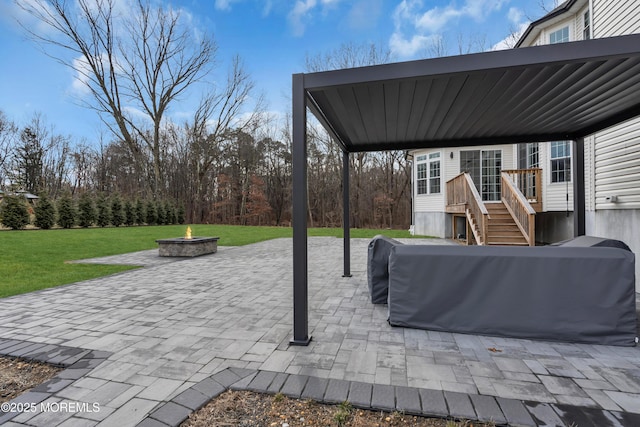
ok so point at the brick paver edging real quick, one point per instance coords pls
(76, 361)
(409, 400)
(79, 362)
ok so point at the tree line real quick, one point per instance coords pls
(242, 178)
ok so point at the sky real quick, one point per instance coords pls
(273, 38)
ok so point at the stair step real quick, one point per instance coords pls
(491, 243)
(504, 227)
(502, 221)
(493, 216)
(505, 237)
(495, 206)
(513, 239)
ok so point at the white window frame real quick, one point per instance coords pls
(586, 22)
(566, 157)
(426, 164)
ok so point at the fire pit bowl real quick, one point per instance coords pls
(187, 246)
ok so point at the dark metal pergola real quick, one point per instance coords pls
(545, 93)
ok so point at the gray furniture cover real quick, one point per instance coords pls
(587, 241)
(576, 294)
(378, 267)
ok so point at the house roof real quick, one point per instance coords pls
(551, 18)
(544, 93)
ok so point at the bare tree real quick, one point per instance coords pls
(221, 112)
(348, 55)
(437, 47)
(378, 180)
(548, 5)
(134, 63)
(472, 43)
(38, 161)
(8, 135)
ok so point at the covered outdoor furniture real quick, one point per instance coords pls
(378, 267)
(563, 293)
(593, 241)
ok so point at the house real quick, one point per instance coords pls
(541, 171)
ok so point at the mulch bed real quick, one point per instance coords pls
(248, 409)
(18, 376)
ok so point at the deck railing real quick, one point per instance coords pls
(519, 208)
(462, 190)
(528, 181)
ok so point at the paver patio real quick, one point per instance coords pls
(170, 326)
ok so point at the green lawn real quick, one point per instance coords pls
(35, 259)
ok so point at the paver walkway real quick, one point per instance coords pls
(171, 326)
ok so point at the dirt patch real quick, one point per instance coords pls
(18, 376)
(248, 409)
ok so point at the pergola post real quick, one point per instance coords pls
(299, 151)
(345, 214)
(579, 228)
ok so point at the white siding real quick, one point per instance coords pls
(429, 202)
(554, 195)
(450, 167)
(617, 166)
(589, 173)
(579, 23)
(617, 150)
(615, 17)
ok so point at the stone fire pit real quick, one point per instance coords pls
(187, 247)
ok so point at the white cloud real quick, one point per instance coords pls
(136, 114)
(436, 19)
(266, 9)
(519, 25)
(303, 11)
(225, 4)
(17, 13)
(81, 81)
(365, 14)
(298, 15)
(516, 16)
(415, 27)
(510, 41)
(409, 47)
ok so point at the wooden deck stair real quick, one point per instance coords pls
(502, 228)
(510, 221)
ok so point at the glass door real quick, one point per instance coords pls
(491, 168)
(484, 167)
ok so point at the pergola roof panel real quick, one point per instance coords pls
(527, 94)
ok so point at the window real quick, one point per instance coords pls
(560, 36)
(586, 32)
(428, 173)
(561, 161)
(434, 173)
(528, 155)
